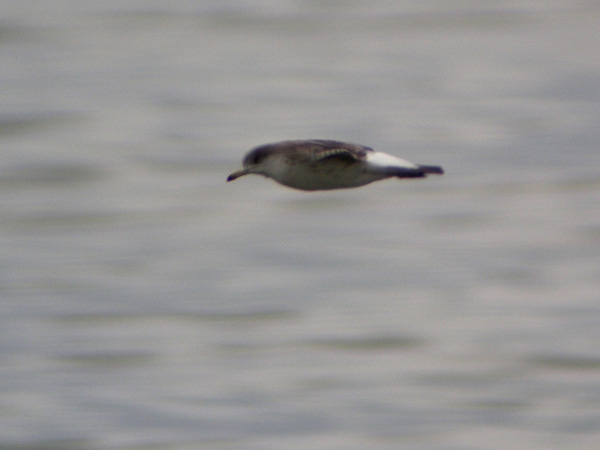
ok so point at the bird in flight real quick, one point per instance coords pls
(317, 164)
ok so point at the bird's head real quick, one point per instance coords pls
(256, 161)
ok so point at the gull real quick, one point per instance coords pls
(318, 164)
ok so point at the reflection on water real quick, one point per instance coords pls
(147, 304)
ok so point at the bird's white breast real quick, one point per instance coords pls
(325, 175)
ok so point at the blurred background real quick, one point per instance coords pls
(147, 304)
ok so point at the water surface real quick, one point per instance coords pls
(145, 303)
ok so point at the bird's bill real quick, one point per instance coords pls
(237, 174)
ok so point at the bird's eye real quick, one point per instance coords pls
(257, 158)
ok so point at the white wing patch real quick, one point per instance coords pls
(382, 160)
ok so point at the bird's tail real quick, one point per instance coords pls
(415, 172)
(432, 169)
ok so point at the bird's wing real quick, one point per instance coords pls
(325, 149)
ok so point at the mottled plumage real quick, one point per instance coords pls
(324, 164)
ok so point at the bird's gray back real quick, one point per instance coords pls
(314, 149)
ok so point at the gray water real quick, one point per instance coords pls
(147, 304)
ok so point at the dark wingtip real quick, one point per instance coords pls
(432, 169)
